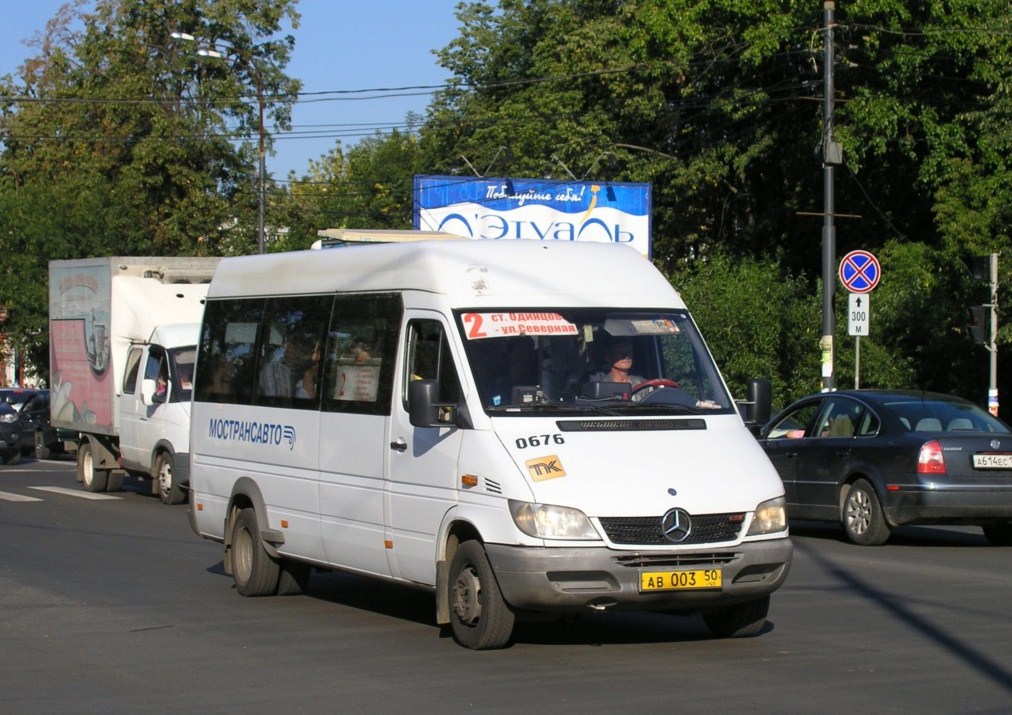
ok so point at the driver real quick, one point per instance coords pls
(618, 354)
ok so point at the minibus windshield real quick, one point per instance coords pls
(590, 360)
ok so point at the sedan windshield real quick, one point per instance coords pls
(591, 360)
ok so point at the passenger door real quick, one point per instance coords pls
(132, 410)
(422, 485)
(357, 385)
(824, 463)
(786, 440)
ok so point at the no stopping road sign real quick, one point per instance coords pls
(860, 272)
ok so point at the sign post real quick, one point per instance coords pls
(859, 272)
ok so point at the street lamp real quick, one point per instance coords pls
(209, 51)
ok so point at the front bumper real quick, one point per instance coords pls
(577, 579)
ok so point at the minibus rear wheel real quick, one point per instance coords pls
(479, 616)
(255, 572)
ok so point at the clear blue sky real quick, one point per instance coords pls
(340, 45)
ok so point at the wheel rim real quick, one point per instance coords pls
(87, 468)
(164, 477)
(243, 555)
(859, 512)
(466, 591)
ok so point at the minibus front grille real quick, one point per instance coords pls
(698, 559)
(647, 530)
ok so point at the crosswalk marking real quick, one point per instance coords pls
(8, 496)
(75, 493)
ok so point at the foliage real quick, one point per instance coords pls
(718, 104)
(119, 139)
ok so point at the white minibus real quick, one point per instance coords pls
(522, 427)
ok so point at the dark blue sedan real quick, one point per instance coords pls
(876, 459)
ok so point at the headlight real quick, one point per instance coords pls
(545, 521)
(770, 516)
(9, 418)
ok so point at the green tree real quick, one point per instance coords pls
(718, 104)
(119, 139)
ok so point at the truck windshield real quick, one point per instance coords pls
(590, 360)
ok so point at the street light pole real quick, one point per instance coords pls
(261, 171)
(209, 51)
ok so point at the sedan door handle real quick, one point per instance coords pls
(399, 445)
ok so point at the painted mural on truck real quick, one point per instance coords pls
(79, 304)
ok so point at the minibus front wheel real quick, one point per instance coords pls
(254, 571)
(480, 617)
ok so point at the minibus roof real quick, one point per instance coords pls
(470, 273)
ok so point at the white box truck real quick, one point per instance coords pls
(122, 336)
(521, 427)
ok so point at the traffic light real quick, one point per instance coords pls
(979, 324)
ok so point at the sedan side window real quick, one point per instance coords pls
(797, 423)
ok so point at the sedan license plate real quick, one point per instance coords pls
(680, 580)
(992, 461)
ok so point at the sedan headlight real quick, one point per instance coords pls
(546, 521)
(9, 417)
(770, 517)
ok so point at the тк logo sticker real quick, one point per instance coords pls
(544, 468)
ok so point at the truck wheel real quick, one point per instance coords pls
(743, 620)
(95, 480)
(862, 515)
(168, 488)
(41, 450)
(480, 617)
(254, 571)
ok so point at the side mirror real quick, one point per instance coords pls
(756, 409)
(423, 408)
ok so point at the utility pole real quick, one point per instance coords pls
(992, 392)
(831, 156)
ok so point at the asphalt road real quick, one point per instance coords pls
(114, 606)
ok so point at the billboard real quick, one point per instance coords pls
(535, 209)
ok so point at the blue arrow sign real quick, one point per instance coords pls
(860, 272)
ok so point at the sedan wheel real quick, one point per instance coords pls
(862, 515)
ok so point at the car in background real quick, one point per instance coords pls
(10, 434)
(876, 459)
(37, 434)
(15, 396)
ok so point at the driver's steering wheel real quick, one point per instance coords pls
(638, 393)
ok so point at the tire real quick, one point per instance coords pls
(254, 571)
(742, 620)
(999, 534)
(12, 457)
(862, 516)
(94, 480)
(168, 488)
(41, 450)
(294, 577)
(479, 616)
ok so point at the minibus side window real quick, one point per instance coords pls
(290, 350)
(225, 364)
(429, 358)
(360, 348)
